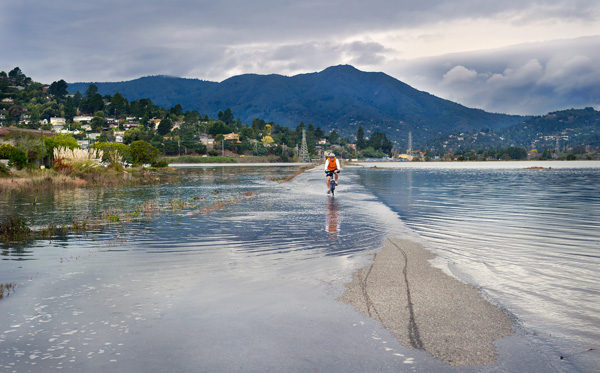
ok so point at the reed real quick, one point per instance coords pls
(74, 156)
(6, 289)
(14, 229)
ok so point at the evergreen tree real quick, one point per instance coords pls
(58, 89)
(361, 143)
(165, 126)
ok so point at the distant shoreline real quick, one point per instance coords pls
(541, 165)
(204, 165)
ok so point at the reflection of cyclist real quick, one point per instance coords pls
(332, 225)
(332, 167)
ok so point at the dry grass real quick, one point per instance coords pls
(40, 180)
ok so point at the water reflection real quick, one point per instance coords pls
(332, 223)
(197, 291)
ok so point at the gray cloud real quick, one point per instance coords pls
(113, 40)
(527, 79)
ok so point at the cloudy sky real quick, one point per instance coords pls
(510, 56)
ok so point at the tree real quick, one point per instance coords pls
(92, 90)
(18, 159)
(58, 89)
(176, 110)
(379, 141)
(70, 109)
(190, 124)
(136, 134)
(18, 77)
(59, 141)
(219, 128)
(118, 104)
(165, 126)
(31, 145)
(95, 103)
(319, 134)
(226, 117)
(98, 121)
(246, 133)
(361, 143)
(334, 137)
(516, 153)
(143, 153)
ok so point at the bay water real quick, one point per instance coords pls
(227, 269)
(527, 234)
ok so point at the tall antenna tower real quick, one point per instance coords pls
(410, 149)
(304, 157)
(557, 148)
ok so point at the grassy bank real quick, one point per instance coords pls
(37, 180)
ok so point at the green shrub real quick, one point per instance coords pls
(18, 159)
(59, 141)
(6, 151)
(160, 163)
(106, 147)
(143, 153)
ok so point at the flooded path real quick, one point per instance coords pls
(250, 286)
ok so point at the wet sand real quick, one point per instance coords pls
(425, 308)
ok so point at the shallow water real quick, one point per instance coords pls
(238, 281)
(530, 239)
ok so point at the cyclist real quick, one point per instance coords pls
(332, 167)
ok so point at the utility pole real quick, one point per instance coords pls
(557, 148)
(304, 157)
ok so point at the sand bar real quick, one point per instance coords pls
(425, 308)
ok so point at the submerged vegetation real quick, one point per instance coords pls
(6, 289)
(14, 229)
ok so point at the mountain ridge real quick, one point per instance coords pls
(338, 97)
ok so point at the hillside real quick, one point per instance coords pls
(576, 129)
(339, 97)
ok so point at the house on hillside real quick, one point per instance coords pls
(207, 140)
(232, 136)
(532, 154)
(82, 119)
(119, 136)
(93, 136)
(58, 123)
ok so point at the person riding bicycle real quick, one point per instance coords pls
(332, 167)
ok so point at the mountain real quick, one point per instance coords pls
(339, 97)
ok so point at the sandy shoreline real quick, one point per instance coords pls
(426, 309)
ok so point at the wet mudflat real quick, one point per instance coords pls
(250, 286)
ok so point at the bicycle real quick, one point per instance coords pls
(332, 183)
